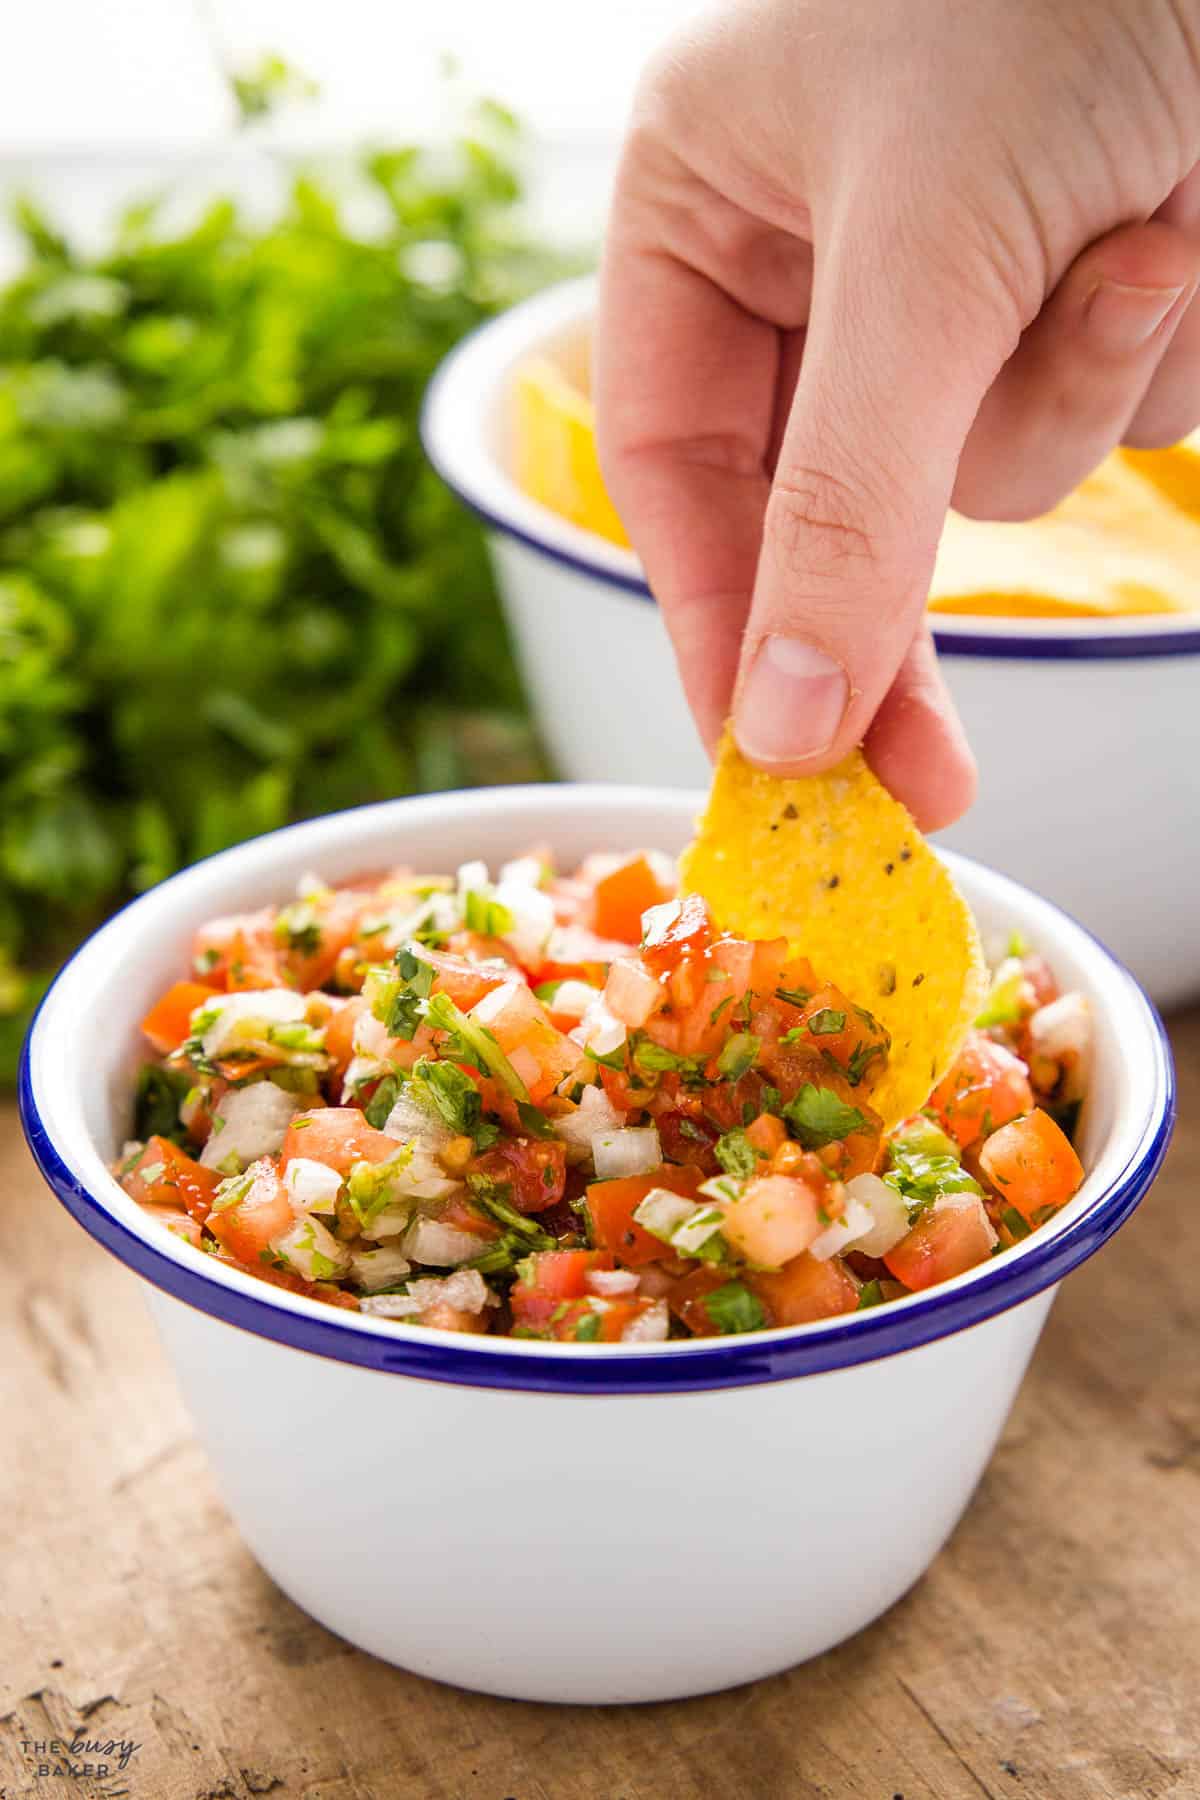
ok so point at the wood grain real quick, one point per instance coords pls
(1053, 1652)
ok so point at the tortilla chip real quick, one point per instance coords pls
(835, 864)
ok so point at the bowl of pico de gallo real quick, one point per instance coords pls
(560, 1318)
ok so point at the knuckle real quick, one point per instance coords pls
(815, 520)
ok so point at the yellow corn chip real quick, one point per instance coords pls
(835, 864)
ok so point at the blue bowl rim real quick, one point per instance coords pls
(1048, 645)
(783, 1355)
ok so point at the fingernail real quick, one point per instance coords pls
(791, 703)
(1123, 319)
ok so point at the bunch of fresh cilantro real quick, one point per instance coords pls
(232, 592)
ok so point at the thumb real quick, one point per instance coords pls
(896, 363)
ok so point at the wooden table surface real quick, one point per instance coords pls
(1052, 1653)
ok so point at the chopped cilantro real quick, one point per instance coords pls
(298, 928)
(860, 1061)
(534, 1121)
(871, 1295)
(381, 1102)
(921, 1177)
(736, 1154)
(546, 990)
(1018, 1227)
(489, 1196)
(160, 1094)
(816, 1117)
(473, 1043)
(717, 1010)
(793, 996)
(587, 1328)
(487, 916)
(443, 1088)
(826, 1022)
(738, 1056)
(734, 1308)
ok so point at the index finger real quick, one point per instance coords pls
(685, 399)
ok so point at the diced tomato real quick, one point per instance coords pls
(986, 1088)
(539, 1054)
(771, 965)
(686, 1297)
(534, 1169)
(248, 1227)
(773, 1219)
(805, 1289)
(612, 1204)
(855, 1040)
(311, 960)
(677, 930)
(685, 1139)
(165, 1175)
(476, 948)
(466, 982)
(1040, 976)
(561, 1273)
(338, 1136)
(339, 1033)
(239, 951)
(948, 1238)
(547, 1316)
(767, 1133)
(326, 1291)
(443, 1317)
(169, 1020)
(465, 1216)
(620, 899)
(1032, 1164)
(179, 1222)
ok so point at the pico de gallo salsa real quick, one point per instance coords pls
(567, 1107)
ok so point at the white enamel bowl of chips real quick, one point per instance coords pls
(1087, 731)
(572, 1522)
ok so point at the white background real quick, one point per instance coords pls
(83, 74)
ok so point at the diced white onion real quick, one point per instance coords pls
(631, 992)
(634, 1150)
(703, 1225)
(465, 1290)
(595, 1113)
(887, 1214)
(532, 918)
(253, 1121)
(312, 1186)
(523, 871)
(442, 1246)
(244, 1016)
(410, 1122)
(661, 1213)
(473, 877)
(572, 999)
(1062, 1033)
(423, 1177)
(599, 1031)
(612, 1284)
(311, 887)
(313, 1251)
(651, 1326)
(843, 1233)
(373, 1269)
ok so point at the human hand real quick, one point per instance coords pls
(864, 260)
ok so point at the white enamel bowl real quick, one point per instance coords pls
(568, 1522)
(1087, 733)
